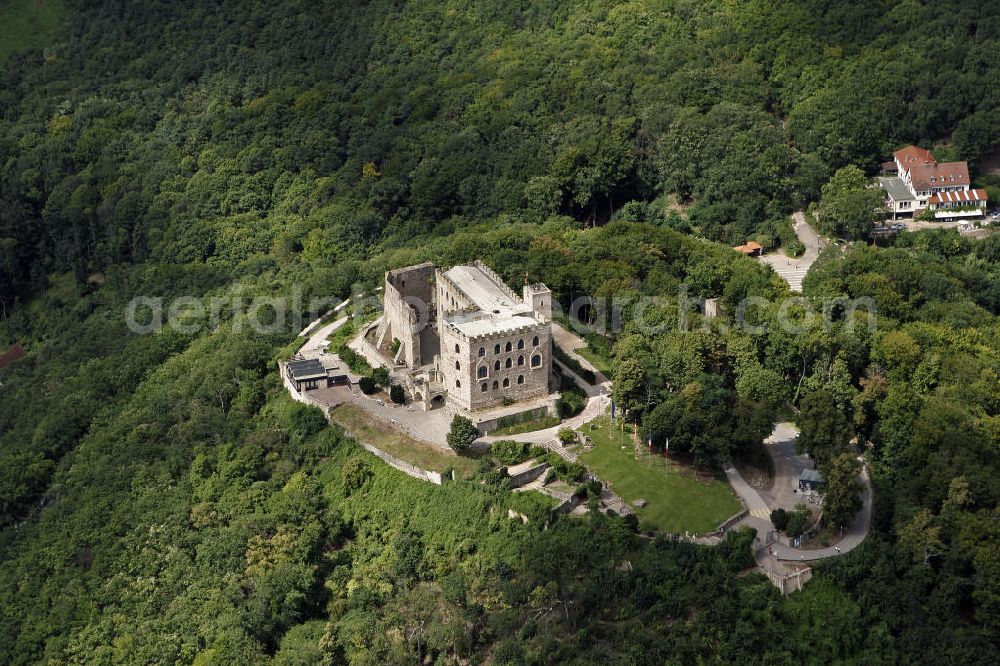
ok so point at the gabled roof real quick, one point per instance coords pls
(912, 156)
(811, 475)
(896, 188)
(939, 174)
(749, 247)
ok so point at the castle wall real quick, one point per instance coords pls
(534, 380)
(409, 306)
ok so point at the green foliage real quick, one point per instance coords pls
(841, 497)
(573, 365)
(462, 434)
(396, 394)
(824, 431)
(173, 505)
(356, 362)
(27, 24)
(367, 385)
(850, 205)
(380, 376)
(797, 521)
(508, 452)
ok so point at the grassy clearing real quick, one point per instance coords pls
(25, 24)
(528, 426)
(679, 500)
(365, 428)
(599, 361)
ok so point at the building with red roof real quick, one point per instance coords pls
(923, 183)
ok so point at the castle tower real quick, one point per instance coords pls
(539, 298)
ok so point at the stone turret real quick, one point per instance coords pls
(538, 297)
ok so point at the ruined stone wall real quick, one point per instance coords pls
(409, 305)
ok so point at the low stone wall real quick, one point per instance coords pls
(788, 583)
(489, 425)
(528, 475)
(403, 466)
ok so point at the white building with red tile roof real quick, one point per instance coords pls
(943, 187)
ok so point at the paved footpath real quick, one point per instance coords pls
(855, 534)
(793, 270)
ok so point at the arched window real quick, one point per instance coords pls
(458, 384)
(456, 349)
(520, 344)
(482, 372)
(496, 366)
(520, 360)
(507, 363)
(484, 387)
(495, 386)
(534, 341)
(536, 360)
(506, 382)
(482, 352)
(508, 346)
(520, 379)
(496, 348)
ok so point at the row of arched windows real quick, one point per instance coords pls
(483, 371)
(507, 347)
(506, 383)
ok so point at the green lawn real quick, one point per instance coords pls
(599, 361)
(27, 23)
(679, 501)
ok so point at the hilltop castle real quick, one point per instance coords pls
(464, 336)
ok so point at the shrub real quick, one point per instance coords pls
(567, 436)
(507, 452)
(396, 344)
(462, 434)
(367, 385)
(380, 376)
(779, 518)
(396, 394)
(571, 399)
(797, 521)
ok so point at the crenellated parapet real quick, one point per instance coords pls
(493, 275)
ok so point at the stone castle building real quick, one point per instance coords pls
(462, 335)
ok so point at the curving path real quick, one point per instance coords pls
(854, 535)
(792, 270)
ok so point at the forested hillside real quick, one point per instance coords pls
(162, 500)
(159, 131)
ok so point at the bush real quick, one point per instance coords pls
(354, 361)
(396, 394)
(507, 452)
(797, 521)
(779, 518)
(462, 434)
(566, 436)
(380, 376)
(367, 385)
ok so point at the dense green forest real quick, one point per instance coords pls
(163, 501)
